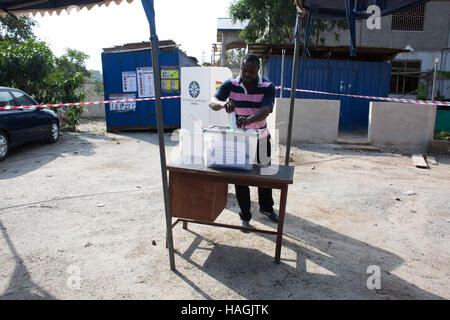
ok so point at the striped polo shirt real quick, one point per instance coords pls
(249, 102)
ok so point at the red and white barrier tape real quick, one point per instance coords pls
(429, 102)
(84, 103)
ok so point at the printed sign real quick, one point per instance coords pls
(129, 81)
(146, 88)
(126, 106)
(170, 79)
(170, 85)
(169, 74)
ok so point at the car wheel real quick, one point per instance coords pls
(4, 146)
(53, 134)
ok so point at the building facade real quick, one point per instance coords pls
(425, 32)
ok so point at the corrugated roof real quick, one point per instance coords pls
(163, 45)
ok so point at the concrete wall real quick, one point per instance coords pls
(402, 126)
(314, 121)
(94, 110)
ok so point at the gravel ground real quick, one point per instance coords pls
(84, 219)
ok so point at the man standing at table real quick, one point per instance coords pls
(252, 99)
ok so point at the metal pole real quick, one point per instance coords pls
(149, 10)
(283, 53)
(439, 77)
(434, 77)
(293, 86)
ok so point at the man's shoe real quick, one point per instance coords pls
(245, 224)
(270, 214)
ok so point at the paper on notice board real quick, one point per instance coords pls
(124, 106)
(129, 81)
(145, 82)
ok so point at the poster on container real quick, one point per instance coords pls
(129, 83)
(122, 106)
(145, 82)
(170, 79)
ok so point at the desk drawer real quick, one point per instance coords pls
(196, 199)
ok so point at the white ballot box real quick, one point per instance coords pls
(226, 148)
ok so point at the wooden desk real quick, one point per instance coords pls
(274, 177)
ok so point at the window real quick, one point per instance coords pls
(6, 99)
(409, 20)
(23, 99)
(404, 76)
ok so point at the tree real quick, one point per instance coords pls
(273, 21)
(65, 83)
(234, 56)
(25, 65)
(28, 64)
(16, 30)
(71, 62)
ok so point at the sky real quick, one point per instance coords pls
(191, 24)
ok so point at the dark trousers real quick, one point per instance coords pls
(264, 195)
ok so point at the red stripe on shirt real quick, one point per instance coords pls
(246, 97)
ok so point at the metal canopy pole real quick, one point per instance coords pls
(293, 86)
(150, 13)
(351, 25)
(283, 53)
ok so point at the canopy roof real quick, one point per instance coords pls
(329, 9)
(33, 7)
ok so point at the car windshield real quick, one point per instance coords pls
(23, 99)
(6, 99)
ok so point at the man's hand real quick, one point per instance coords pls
(229, 106)
(243, 121)
(217, 105)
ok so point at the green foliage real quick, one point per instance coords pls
(443, 135)
(16, 30)
(444, 74)
(73, 62)
(95, 82)
(269, 20)
(273, 21)
(234, 56)
(28, 64)
(421, 92)
(65, 85)
(98, 88)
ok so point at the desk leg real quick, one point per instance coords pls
(185, 225)
(281, 212)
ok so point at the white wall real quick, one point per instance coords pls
(314, 120)
(401, 126)
(94, 110)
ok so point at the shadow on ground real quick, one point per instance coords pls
(21, 286)
(328, 265)
(343, 262)
(34, 155)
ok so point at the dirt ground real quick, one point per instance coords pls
(84, 219)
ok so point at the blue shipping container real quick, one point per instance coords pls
(335, 76)
(144, 114)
